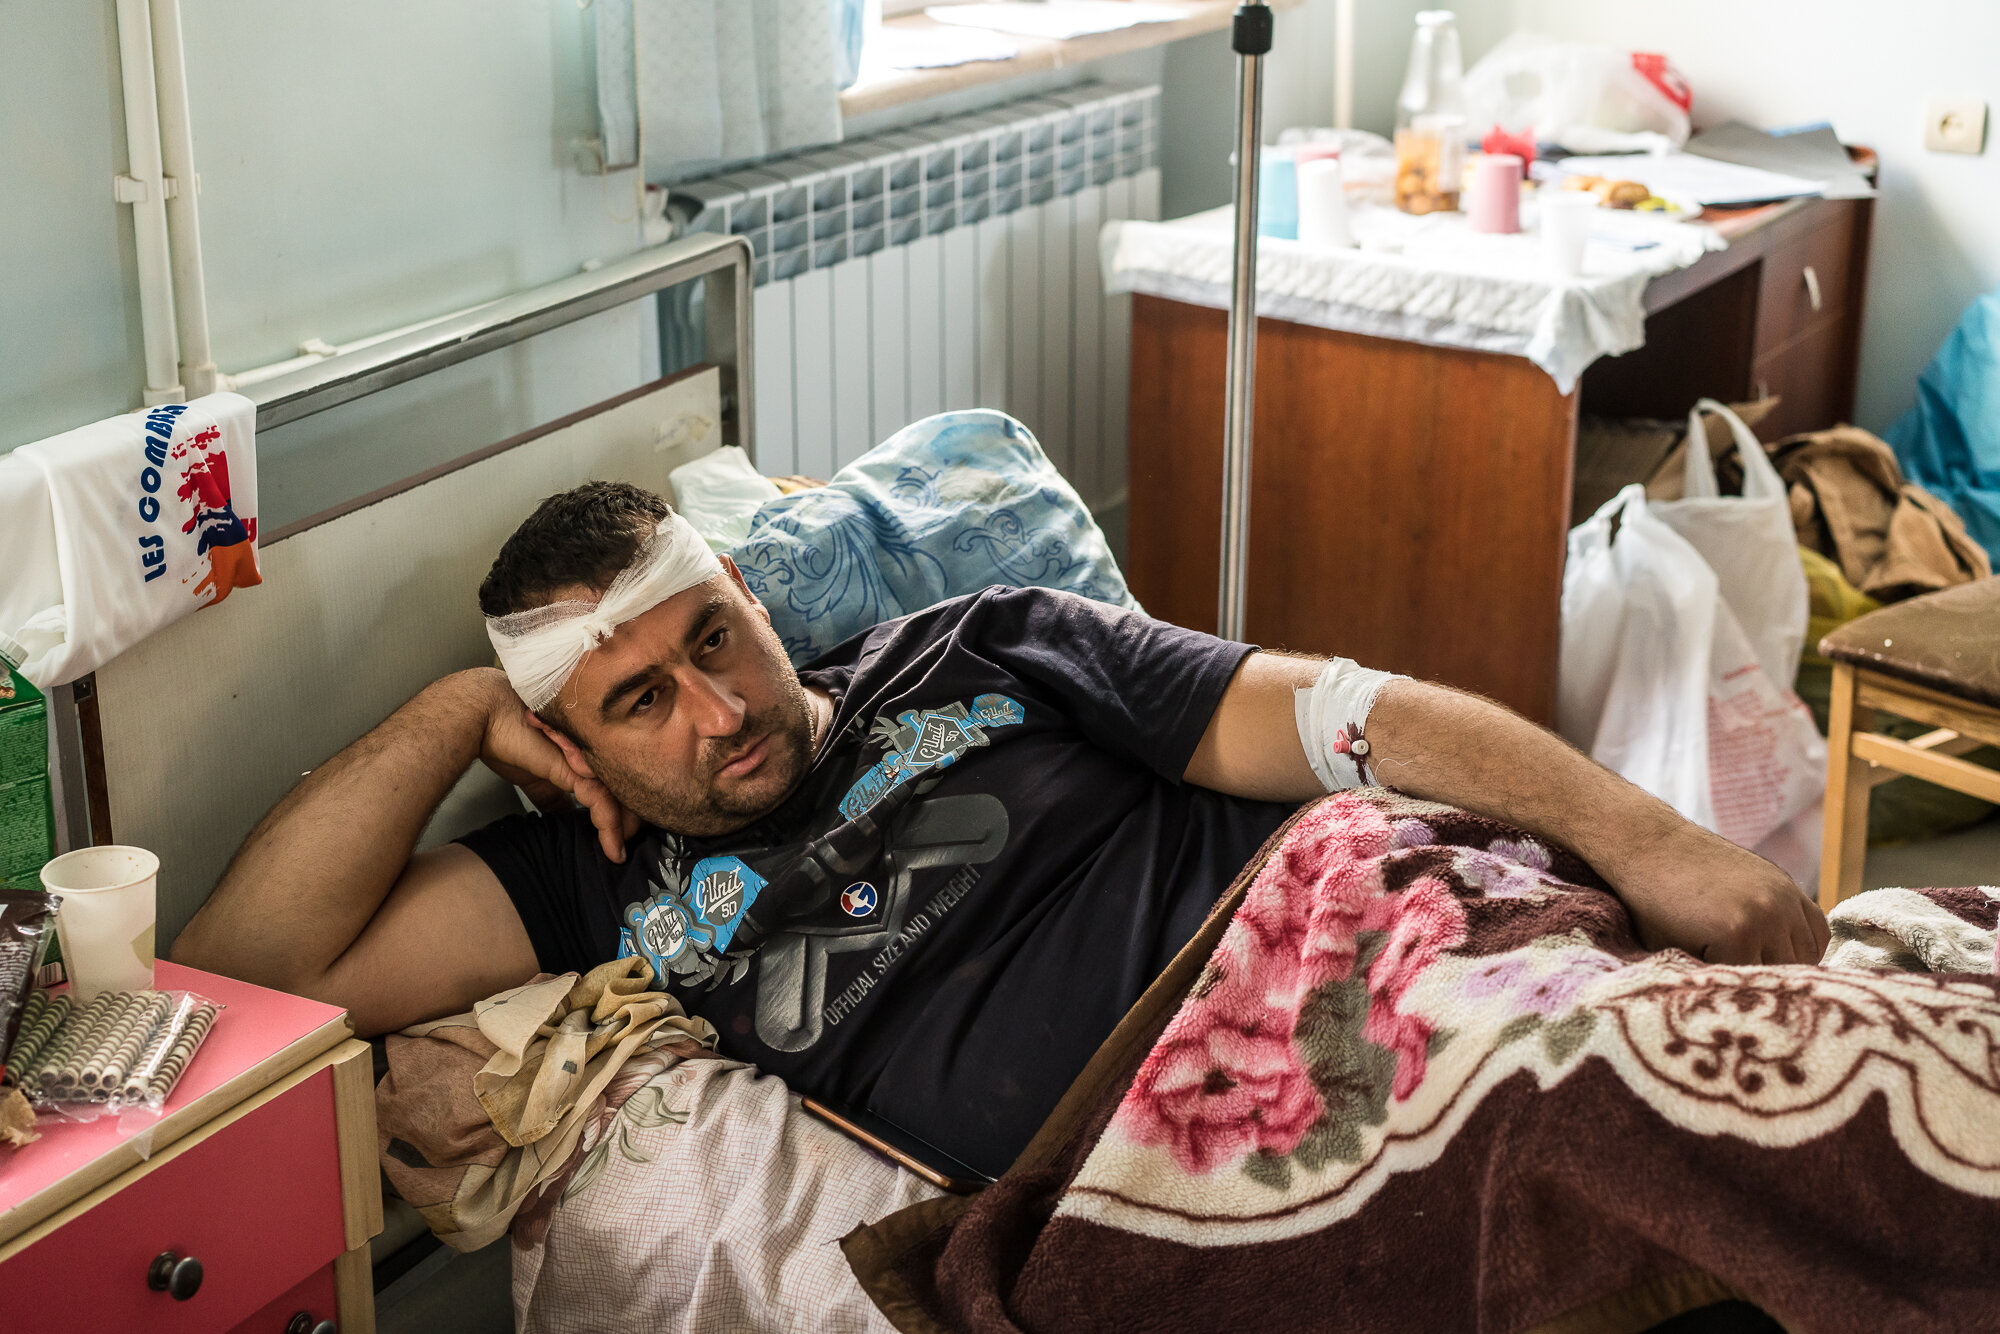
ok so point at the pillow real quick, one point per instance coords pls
(944, 507)
(719, 494)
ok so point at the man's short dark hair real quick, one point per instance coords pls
(585, 536)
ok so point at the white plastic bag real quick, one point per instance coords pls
(1766, 759)
(1638, 621)
(1748, 541)
(1585, 97)
(1661, 683)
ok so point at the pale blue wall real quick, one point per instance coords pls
(364, 165)
(1868, 67)
(69, 316)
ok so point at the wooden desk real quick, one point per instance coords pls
(262, 1167)
(1408, 503)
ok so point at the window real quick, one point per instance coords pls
(891, 8)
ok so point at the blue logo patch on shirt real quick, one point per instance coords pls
(859, 899)
(721, 890)
(660, 929)
(924, 740)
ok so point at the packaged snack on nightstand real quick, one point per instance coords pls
(119, 1051)
(24, 918)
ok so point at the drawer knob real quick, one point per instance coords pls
(1812, 286)
(179, 1276)
(302, 1323)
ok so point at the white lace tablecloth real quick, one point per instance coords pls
(1426, 279)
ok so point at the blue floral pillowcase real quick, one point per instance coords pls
(944, 507)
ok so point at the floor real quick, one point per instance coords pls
(1968, 857)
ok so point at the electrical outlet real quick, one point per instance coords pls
(1956, 125)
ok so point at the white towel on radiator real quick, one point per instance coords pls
(111, 531)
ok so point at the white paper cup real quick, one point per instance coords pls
(105, 918)
(1323, 205)
(1566, 218)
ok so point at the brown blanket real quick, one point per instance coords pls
(1417, 1074)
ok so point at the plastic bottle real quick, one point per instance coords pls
(1430, 118)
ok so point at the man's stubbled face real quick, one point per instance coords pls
(690, 714)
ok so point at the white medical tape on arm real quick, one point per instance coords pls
(1332, 716)
(540, 648)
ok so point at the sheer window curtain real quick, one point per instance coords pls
(687, 86)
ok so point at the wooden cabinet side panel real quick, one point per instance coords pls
(1408, 503)
(1410, 510)
(1175, 459)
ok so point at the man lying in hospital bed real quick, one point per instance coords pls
(926, 875)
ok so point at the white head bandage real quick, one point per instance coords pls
(540, 647)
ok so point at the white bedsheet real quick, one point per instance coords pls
(709, 1203)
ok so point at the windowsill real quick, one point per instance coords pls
(890, 88)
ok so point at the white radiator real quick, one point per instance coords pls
(949, 265)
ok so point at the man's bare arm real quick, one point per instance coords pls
(324, 899)
(1685, 887)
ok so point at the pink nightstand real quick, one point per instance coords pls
(262, 1169)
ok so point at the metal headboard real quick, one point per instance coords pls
(722, 263)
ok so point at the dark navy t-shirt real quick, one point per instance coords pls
(986, 864)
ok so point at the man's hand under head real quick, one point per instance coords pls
(1685, 887)
(546, 765)
(690, 711)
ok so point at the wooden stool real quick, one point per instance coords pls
(1934, 659)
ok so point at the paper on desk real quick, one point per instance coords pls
(1057, 20)
(936, 48)
(1704, 180)
(1815, 154)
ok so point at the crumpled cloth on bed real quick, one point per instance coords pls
(478, 1109)
(1916, 930)
(1417, 1073)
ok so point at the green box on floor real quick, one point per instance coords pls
(27, 819)
(24, 730)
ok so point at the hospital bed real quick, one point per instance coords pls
(184, 741)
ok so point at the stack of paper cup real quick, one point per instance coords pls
(1323, 205)
(104, 917)
(1566, 219)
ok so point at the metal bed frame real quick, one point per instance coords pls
(721, 263)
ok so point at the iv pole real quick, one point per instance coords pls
(1251, 40)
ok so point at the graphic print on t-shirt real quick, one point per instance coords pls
(920, 741)
(684, 930)
(932, 831)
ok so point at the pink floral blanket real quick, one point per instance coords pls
(1417, 1074)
